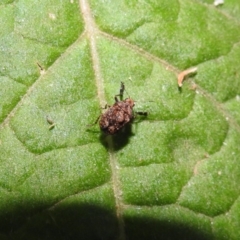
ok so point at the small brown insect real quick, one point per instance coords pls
(118, 115)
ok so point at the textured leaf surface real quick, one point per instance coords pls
(172, 175)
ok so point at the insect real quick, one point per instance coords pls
(118, 115)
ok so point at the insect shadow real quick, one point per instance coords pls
(122, 138)
(119, 140)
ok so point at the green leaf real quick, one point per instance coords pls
(174, 174)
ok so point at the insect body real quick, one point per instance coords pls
(118, 115)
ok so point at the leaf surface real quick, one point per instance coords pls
(172, 175)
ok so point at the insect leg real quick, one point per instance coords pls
(122, 88)
(106, 106)
(90, 125)
(142, 113)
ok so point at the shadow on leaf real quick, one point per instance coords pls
(89, 222)
(148, 228)
(119, 140)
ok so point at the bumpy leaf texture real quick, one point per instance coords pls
(172, 175)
